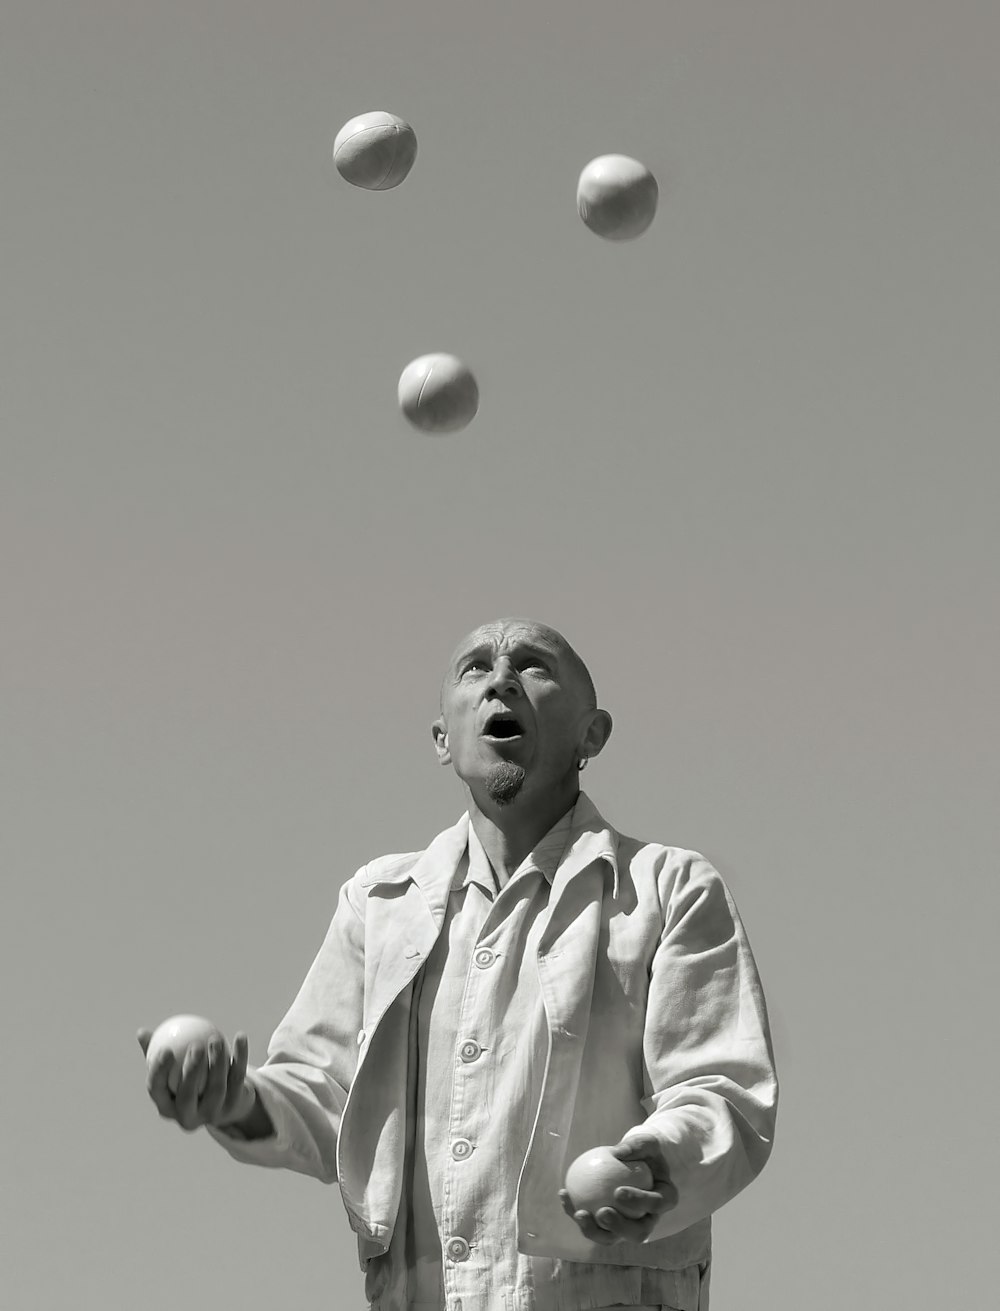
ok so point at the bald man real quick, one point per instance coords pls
(531, 986)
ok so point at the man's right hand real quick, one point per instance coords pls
(226, 1096)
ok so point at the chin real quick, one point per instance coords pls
(504, 781)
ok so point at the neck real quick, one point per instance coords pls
(509, 833)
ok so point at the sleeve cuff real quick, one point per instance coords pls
(273, 1150)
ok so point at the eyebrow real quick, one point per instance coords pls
(519, 648)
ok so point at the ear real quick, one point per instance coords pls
(598, 732)
(440, 731)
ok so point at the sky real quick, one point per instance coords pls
(747, 463)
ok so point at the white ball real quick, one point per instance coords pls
(375, 150)
(438, 393)
(177, 1034)
(592, 1178)
(616, 197)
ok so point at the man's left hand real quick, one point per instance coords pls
(636, 1210)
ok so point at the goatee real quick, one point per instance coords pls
(504, 782)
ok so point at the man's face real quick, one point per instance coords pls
(517, 710)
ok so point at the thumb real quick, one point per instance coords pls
(632, 1149)
(144, 1036)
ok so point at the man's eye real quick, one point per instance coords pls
(476, 664)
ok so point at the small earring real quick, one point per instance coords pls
(581, 764)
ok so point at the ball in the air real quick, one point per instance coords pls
(375, 150)
(438, 393)
(177, 1034)
(616, 197)
(592, 1178)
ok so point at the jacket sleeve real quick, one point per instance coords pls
(707, 1048)
(312, 1056)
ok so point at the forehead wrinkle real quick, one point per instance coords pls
(501, 639)
(503, 632)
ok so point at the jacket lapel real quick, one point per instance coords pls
(404, 912)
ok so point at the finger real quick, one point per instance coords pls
(581, 1217)
(159, 1070)
(237, 1073)
(640, 1147)
(609, 1219)
(157, 1075)
(638, 1202)
(212, 1099)
(636, 1147)
(241, 1054)
(588, 1224)
(631, 1231)
(663, 1197)
(192, 1072)
(144, 1035)
(634, 1203)
(644, 1148)
(592, 1230)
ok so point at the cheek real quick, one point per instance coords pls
(558, 744)
(557, 716)
(459, 719)
(462, 741)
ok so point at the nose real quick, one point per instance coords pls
(503, 680)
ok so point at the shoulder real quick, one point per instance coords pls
(643, 859)
(681, 874)
(661, 857)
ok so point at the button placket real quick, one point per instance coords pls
(457, 1249)
(466, 1123)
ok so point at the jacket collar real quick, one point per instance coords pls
(590, 839)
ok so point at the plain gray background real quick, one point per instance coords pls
(747, 463)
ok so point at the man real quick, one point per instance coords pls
(531, 986)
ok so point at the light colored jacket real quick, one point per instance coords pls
(655, 1015)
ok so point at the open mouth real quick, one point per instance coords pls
(503, 727)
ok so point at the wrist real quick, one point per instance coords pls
(249, 1119)
(241, 1111)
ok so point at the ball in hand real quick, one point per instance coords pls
(438, 393)
(616, 197)
(177, 1034)
(375, 151)
(592, 1178)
